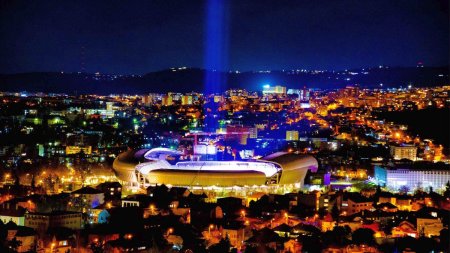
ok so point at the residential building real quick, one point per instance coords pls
(404, 152)
(42, 221)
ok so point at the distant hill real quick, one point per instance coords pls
(192, 79)
(434, 123)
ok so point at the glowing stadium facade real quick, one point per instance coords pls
(165, 166)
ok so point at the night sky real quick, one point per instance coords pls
(136, 37)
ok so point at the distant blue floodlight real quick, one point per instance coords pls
(216, 53)
(266, 86)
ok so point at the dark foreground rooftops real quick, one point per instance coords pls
(87, 190)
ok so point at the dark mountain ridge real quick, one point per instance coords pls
(193, 79)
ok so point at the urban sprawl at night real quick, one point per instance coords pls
(287, 166)
(224, 126)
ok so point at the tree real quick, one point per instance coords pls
(378, 189)
(363, 236)
(97, 247)
(33, 182)
(16, 180)
(335, 213)
(425, 244)
(328, 238)
(341, 234)
(403, 189)
(444, 241)
(14, 244)
(311, 245)
(222, 246)
(3, 233)
(322, 212)
(447, 190)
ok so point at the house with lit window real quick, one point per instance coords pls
(236, 234)
(405, 228)
(90, 196)
(25, 235)
(357, 203)
(57, 240)
(112, 190)
(429, 227)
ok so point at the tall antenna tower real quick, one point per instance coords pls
(83, 60)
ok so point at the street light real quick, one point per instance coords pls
(209, 230)
(6, 177)
(30, 204)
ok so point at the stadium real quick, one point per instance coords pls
(142, 168)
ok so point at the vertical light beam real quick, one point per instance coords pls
(215, 55)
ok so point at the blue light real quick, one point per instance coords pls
(266, 86)
(216, 46)
(216, 53)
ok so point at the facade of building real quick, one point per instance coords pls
(149, 99)
(71, 150)
(186, 100)
(92, 197)
(292, 135)
(42, 221)
(25, 235)
(358, 204)
(396, 178)
(404, 152)
(279, 90)
(167, 100)
(235, 233)
(429, 227)
(405, 228)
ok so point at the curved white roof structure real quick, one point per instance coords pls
(160, 153)
(269, 169)
(162, 166)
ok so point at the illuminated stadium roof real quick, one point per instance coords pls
(269, 169)
(164, 166)
(157, 152)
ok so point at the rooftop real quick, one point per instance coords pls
(87, 190)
